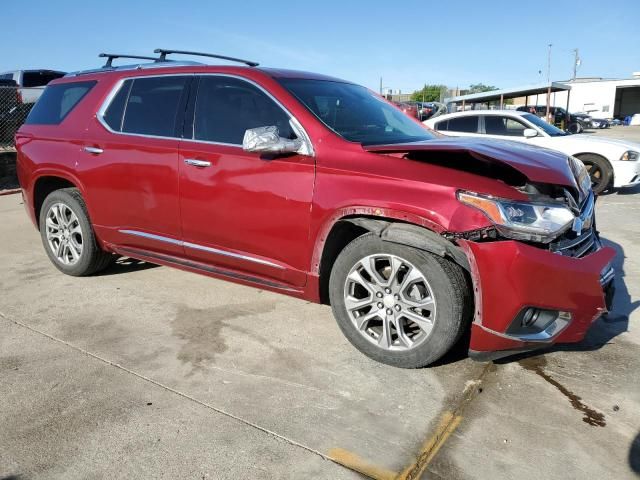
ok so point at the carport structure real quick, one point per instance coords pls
(481, 100)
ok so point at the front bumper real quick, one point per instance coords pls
(626, 173)
(510, 277)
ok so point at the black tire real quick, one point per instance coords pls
(575, 128)
(92, 259)
(600, 171)
(449, 286)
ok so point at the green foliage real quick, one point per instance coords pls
(480, 87)
(428, 93)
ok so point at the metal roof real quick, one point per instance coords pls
(509, 93)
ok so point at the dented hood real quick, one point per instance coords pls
(537, 164)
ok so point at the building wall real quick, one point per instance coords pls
(596, 98)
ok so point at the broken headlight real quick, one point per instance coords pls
(529, 221)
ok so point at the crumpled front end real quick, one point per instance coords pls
(529, 297)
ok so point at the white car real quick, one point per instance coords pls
(611, 163)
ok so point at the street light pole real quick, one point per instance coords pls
(549, 82)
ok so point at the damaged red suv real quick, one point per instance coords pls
(317, 188)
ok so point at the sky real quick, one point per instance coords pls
(408, 44)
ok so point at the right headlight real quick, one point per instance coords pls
(629, 155)
(529, 221)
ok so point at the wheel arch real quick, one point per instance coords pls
(391, 229)
(46, 183)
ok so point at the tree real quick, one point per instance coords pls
(480, 87)
(428, 93)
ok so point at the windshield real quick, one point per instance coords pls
(544, 126)
(355, 113)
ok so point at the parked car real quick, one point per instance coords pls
(583, 118)
(600, 123)
(572, 123)
(410, 109)
(611, 163)
(426, 110)
(317, 188)
(31, 83)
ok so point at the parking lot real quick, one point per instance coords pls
(147, 371)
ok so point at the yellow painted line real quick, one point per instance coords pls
(446, 427)
(448, 424)
(353, 462)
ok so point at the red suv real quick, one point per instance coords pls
(320, 189)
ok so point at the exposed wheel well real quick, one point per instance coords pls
(43, 187)
(340, 236)
(348, 229)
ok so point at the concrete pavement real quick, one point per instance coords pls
(148, 372)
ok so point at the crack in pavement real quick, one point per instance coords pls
(447, 425)
(167, 388)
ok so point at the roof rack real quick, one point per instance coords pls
(163, 56)
(112, 56)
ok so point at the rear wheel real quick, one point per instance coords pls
(599, 170)
(396, 304)
(67, 234)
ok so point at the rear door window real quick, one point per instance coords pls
(57, 101)
(465, 124)
(152, 106)
(505, 126)
(226, 107)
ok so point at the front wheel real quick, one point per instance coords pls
(67, 234)
(599, 170)
(396, 304)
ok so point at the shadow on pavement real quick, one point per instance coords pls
(127, 265)
(634, 455)
(628, 191)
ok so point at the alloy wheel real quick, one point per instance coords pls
(595, 173)
(390, 302)
(64, 234)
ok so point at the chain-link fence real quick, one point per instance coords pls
(15, 105)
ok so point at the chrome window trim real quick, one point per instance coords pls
(114, 91)
(297, 126)
(204, 248)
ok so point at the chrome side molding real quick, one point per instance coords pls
(195, 246)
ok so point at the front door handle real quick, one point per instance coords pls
(94, 150)
(197, 163)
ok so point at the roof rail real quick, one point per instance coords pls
(112, 56)
(163, 56)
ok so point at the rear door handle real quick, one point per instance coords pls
(197, 163)
(94, 150)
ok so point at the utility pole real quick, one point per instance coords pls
(576, 62)
(549, 64)
(549, 82)
(380, 86)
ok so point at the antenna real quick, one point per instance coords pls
(112, 56)
(163, 56)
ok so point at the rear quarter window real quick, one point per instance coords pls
(57, 101)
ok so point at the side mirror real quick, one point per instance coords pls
(530, 133)
(268, 140)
